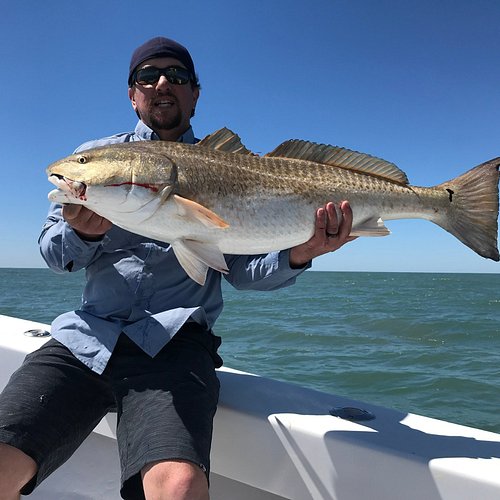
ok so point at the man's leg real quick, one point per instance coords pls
(166, 406)
(47, 409)
(174, 480)
(17, 470)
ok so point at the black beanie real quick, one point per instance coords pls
(158, 47)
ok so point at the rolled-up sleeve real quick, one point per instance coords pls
(61, 248)
(262, 272)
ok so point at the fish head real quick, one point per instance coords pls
(112, 179)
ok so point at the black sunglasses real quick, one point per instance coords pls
(176, 75)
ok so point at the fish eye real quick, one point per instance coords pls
(81, 159)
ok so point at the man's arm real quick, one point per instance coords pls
(70, 245)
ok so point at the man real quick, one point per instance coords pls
(141, 343)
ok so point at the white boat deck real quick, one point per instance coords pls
(274, 440)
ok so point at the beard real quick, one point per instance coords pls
(160, 119)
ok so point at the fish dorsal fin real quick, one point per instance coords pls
(224, 140)
(341, 158)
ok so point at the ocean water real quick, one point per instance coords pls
(423, 343)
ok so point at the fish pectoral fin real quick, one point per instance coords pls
(191, 209)
(196, 257)
(371, 227)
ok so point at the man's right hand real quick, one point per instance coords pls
(87, 224)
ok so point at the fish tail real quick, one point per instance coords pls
(473, 209)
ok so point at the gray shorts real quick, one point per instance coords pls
(165, 404)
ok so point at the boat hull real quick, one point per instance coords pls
(274, 440)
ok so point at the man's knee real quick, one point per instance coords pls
(16, 469)
(176, 479)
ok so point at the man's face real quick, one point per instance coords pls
(165, 107)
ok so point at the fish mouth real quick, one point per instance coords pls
(75, 188)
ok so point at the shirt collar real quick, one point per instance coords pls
(147, 134)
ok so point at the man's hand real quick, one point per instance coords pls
(330, 234)
(87, 224)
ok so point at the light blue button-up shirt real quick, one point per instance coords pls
(135, 285)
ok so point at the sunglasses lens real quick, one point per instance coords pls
(174, 75)
(147, 76)
(177, 76)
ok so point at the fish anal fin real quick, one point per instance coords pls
(225, 140)
(191, 209)
(340, 158)
(371, 227)
(196, 257)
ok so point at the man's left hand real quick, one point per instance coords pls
(331, 232)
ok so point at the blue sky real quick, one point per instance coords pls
(414, 82)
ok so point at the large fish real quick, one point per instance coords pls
(216, 197)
